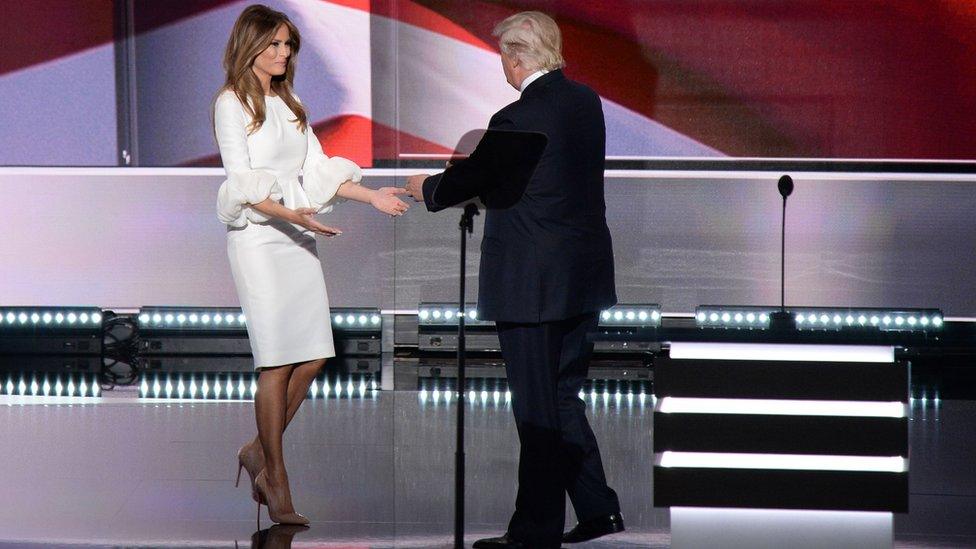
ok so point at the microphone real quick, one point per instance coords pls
(785, 186)
(782, 320)
(467, 221)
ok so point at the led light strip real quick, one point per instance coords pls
(338, 388)
(833, 408)
(631, 315)
(165, 318)
(497, 397)
(824, 318)
(61, 318)
(85, 386)
(447, 314)
(448, 396)
(884, 320)
(734, 317)
(621, 315)
(176, 387)
(196, 319)
(356, 320)
(782, 352)
(209, 389)
(788, 462)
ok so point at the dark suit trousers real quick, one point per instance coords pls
(546, 365)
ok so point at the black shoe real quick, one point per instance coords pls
(595, 528)
(506, 542)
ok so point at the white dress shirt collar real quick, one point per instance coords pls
(531, 78)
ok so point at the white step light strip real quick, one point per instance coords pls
(790, 462)
(730, 528)
(782, 352)
(840, 408)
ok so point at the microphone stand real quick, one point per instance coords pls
(782, 320)
(467, 227)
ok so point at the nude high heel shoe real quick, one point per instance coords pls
(274, 507)
(246, 460)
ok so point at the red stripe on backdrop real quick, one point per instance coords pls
(362, 140)
(362, 5)
(434, 19)
(349, 136)
(43, 30)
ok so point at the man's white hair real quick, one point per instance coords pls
(534, 38)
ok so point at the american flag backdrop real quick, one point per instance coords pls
(57, 83)
(388, 79)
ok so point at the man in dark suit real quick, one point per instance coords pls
(546, 272)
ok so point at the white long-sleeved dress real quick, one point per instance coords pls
(274, 264)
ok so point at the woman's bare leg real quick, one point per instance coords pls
(299, 381)
(270, 410)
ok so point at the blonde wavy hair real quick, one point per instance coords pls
(252, 34)
(534, 38)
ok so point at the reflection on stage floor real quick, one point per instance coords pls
(371, 470)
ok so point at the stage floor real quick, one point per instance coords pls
(372, 471)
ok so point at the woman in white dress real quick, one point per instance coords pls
(265, 142)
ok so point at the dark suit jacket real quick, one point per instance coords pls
(549, 255)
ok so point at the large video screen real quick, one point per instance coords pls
(388, 80)
(398, 79)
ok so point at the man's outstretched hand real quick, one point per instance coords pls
(415, 186)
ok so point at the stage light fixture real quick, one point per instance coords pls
(833, 318)
(175, 319)
(448, 314)
(222, 331)
(820, 318)
(437, 325)
(51, 338)
(437, 328)
(716, 316)
(42, 318)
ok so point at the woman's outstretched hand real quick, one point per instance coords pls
(384, 199)
(306, 218)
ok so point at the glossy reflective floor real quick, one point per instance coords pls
(372, 471)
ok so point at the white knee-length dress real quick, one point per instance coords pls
(274, 264)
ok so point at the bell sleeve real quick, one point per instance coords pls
(323, 175)
(243, 186)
